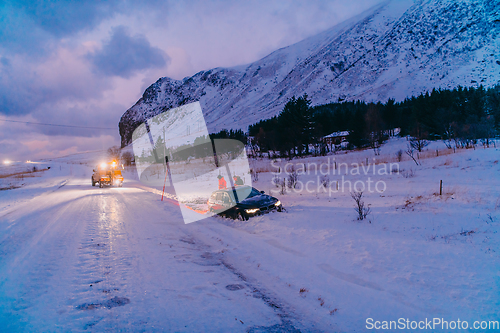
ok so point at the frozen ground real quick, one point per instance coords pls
(78, 258)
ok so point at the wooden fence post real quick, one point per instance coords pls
(440, 187)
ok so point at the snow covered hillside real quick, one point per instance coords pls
(394, 50)
(79, 258)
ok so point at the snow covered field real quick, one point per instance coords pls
(78, 258)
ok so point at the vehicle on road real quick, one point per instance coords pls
(107, 174)
(117, 178)
(242, 202)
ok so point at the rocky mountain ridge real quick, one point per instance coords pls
(395, 50)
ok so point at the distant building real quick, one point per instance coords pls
(336, 139)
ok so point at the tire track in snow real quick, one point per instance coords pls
(283, 311)
(101, 265)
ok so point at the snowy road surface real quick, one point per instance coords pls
(117, 259)
(79, 258)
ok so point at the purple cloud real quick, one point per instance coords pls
(123, 55)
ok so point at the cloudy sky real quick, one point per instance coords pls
(84, 63)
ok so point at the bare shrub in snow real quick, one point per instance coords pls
(410, 152)
(255, 175)
(409, 173)
(449, 135)
(325, 181)
(279, 183)
(399, 155)
(127, 158)
(361, 209)
(282, 187)
(276, 180)
(418, 143)
(293, 177)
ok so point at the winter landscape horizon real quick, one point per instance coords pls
(250, 167)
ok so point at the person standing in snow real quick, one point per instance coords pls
(237, 180)
(222, 182)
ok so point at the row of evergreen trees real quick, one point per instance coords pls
(202, 147)
(462, 116)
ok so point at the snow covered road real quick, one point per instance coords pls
(115, 259)
(79, 258)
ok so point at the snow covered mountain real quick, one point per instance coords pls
(396, 49)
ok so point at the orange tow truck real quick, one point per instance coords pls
(107, 174)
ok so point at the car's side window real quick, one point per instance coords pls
(219, 197)
(226, 198)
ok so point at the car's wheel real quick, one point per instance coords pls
(120, 185)
(280, 208)
(240, 216)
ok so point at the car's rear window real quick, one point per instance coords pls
(245, 192)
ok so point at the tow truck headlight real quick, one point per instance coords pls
(252, 211)
(278, 203)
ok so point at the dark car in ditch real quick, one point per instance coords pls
(242, 202)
